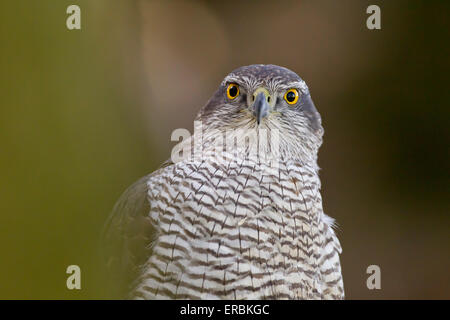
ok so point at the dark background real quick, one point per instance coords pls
(84, 113)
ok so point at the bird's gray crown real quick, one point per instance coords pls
(275, 77)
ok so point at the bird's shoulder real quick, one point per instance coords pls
(129, 232)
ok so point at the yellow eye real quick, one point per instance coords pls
(232, 91)
(291, 96)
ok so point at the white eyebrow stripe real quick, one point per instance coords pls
(273, 84)
(250, 81)
(295, 84)
(230, 78)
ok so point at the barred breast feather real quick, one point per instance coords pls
(237, 229)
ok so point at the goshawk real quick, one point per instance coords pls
(238, 214)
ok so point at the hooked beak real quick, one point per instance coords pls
(260, 106)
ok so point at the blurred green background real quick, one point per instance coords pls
(84, 113)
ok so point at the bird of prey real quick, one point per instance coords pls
(232, 224)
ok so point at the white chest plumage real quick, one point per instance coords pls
(239, 230)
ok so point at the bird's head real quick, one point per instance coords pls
(267, 97)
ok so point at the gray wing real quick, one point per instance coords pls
(126, 239)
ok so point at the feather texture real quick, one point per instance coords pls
(232, 227)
